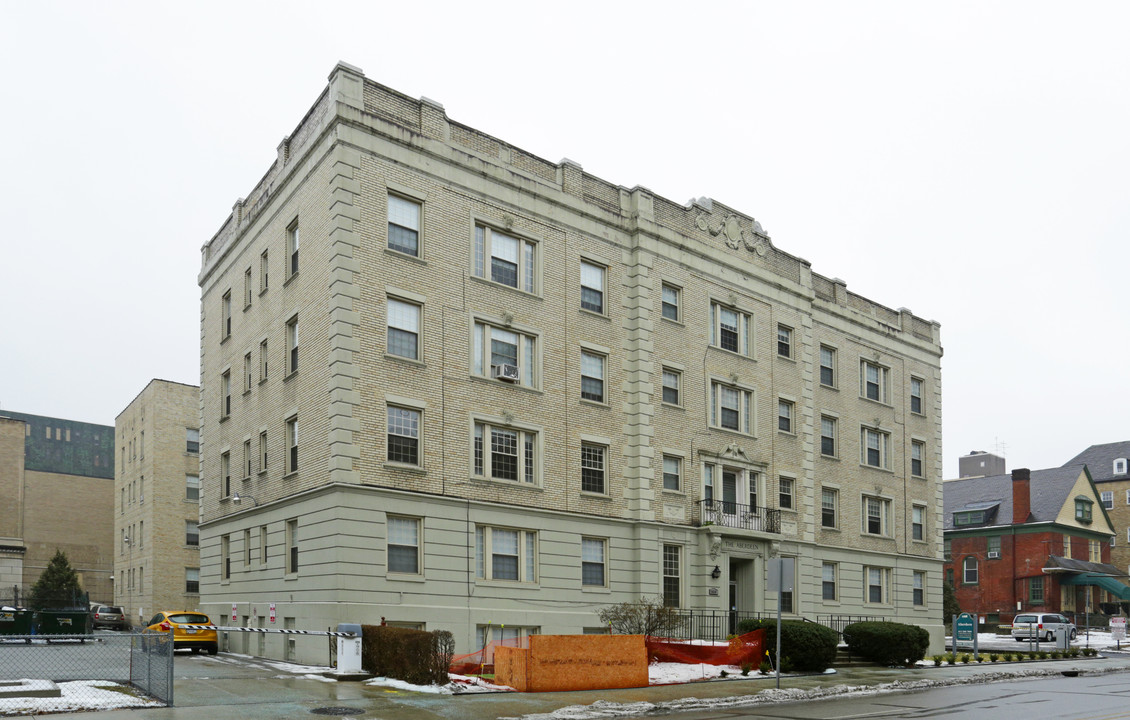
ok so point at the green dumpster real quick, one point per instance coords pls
(15, 622)
(75, 622)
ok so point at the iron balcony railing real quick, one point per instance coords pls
(735, 515)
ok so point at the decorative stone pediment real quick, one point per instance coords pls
(733, 452)
(752, 237)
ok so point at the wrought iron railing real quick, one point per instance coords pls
(735, 515)
(713, 625)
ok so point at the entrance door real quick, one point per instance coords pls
(729, 492)
(740, 600)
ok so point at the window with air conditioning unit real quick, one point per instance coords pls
(993, 555)
(505, 372)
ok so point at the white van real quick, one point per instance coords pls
(1041, 626)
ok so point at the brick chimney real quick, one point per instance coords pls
(1021, 495)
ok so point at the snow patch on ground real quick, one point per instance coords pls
(668, 673)
(76, 696)
(458, 685)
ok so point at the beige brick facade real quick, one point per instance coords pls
(155, 501)
(507, 549)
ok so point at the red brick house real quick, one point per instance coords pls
(1030, 541)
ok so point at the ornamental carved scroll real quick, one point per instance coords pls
(753, 238)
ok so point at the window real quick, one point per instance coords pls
(1083, 510)
(505, 554)
(225, 394)
(874, 445)
(876, 517)
(592, 287)
(403, 541)
(828, 581)
(1120, 469)
(403, 435)
(917, 450)
(947, 549)
(784, 341)
(225, 315)
(248, 373)
(592, 562)
(262, 361)
(916, 395)
(785, 410)
(225, 557)
(191, 487)
(511, 456)
(919, 588)
(403, 329)
(292, 445)
(1108, 499)
(247, 288)
(672, 473)
(592, 377)
(263, 451)
(592, 468)
(513, 261)
(292, 345)
(264, 271)
(246, 548)
(787, 595)
(974, 517)
(829, 500)
(263, 544)
(504, 634)
(828, 436)
(918, 522)
(969, 570)
(1095, 549)
(672, 381)
(192, 581)
(1036, 591)
(504, 354)
(292, 546)
(873, 381)
(247, 459)
(730, 329)
(731, 407)
(672, 592)
(225, 475)
(785, 492)
(827, 366)
(292, 249)
(403, 225)
(670, 302)
(877, 583)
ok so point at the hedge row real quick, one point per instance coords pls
(415, 656)
(805, 646)
(887, 643)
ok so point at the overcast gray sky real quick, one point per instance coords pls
(968, 160)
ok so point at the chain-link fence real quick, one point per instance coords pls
(124, 670)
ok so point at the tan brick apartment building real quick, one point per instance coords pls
(156, 501)
(458, 386)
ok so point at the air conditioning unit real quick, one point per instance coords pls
(506, 372)
(994, 555)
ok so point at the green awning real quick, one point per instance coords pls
(1106, 582)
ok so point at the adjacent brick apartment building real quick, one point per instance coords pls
(452, 384)
(1108, 463)
(156, 494)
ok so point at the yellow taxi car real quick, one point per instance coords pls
(186, 638)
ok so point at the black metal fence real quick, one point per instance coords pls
(715, 625)
(104, 671)
(735, 515)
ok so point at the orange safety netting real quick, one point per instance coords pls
(740, 650)
(482, 661)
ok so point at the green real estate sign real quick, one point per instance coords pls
(964, 630)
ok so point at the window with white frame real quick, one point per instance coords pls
(916, 386)
(993, 545)
(505, 259)
(731, 329)
(917, 455)
(827, 366)
(192, 581)
(829, 507)
(505, 453)
(873, 381)
(248, 373)
(1096, 551)
(874, 447)
(225, 394)
(192, 441)
(505, 554)
(292, 249)
(593, 552)
(784, 341)
(785, 411)
(262, 544)
(1120, 469)
(502, 634)
(225, 316)
(292, 345)
(672, 391)
(969, 570)
(919, 588)
(723, 488)
(828, 428)
(878, 583)
(291, 546)
(1108, 499)
(828, 572)
(225, 475)
(262, 360)
(292, 445)
(247, 459)
(247, 288)
(672, 473)
(191, 533)
(246, 549)
(918, 522)
(404, 329)
(876, 515)
(191, 487)
(672, 575)
(592, 376)
(403, 435)
(263, 451)
(671, 302)
(404, 225)
(403, 545)
(785, 488)
(593, 471)
(731, 407)
(592, 286)
(264, 271)
(225, 557)
(504, 354)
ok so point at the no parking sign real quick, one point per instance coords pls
(272, 612)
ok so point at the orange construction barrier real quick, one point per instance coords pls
(740, 650)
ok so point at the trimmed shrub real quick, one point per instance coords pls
(415, 656)
(937, 660)
(888, 643)
(805, 646)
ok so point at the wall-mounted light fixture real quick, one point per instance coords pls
(716, 572)
(237, 499)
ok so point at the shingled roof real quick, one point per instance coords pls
(1048, 491)
(1099, 459)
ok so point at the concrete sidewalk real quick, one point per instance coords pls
(244, 696)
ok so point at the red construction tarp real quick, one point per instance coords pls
(740, 650)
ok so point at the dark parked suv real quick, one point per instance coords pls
(109, 616)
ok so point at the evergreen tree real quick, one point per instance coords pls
(949, 603)
(57, 587)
